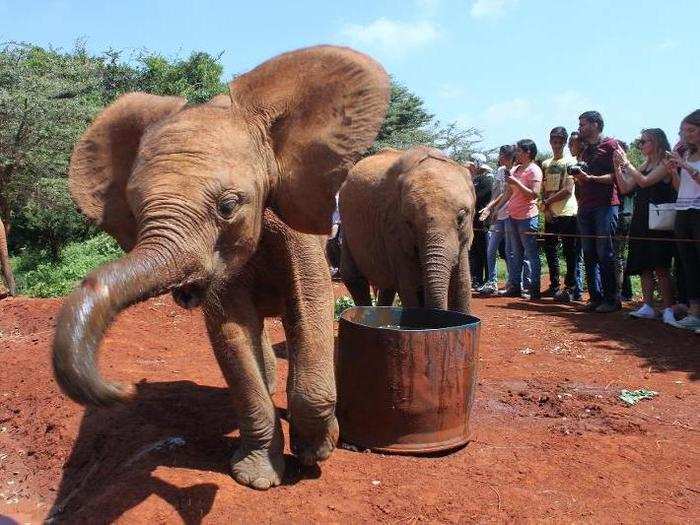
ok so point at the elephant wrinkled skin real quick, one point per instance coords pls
(204, 199)
(407, 227)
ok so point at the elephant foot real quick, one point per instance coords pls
(259, 469)
(312, 447)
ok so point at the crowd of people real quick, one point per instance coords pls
(611, 219)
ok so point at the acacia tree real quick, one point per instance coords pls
(47, 99)
(408, 123)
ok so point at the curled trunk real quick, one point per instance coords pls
(87, 313)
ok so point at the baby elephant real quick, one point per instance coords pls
(407, 228)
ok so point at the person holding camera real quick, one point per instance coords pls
(523, 188)
(495, 213)
(598, 204)
(652, 257)
(560, 209)
(685, 169)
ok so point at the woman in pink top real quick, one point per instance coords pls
(524, 185)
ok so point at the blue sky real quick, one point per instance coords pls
(512, 68)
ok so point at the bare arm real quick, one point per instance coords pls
(625, 184)
(562, 194)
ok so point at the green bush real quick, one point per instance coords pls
(39, 275)
(49, 219)
(342, 304)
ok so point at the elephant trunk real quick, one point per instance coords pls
(90, 309)
(438, 260)
(5, 262)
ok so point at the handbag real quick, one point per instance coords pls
(662, 216)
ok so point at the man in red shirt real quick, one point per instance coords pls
(598, 204)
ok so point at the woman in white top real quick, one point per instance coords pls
(686, 177)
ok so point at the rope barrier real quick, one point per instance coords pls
(614, 237)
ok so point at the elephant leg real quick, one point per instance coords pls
(268, 360)
(236, 337)
(460, 291)
(353, 280)
(386, 297)
(311, 394)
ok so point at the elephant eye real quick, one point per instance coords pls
(461, 216)
(228, 205)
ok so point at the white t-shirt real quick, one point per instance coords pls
(689, 190)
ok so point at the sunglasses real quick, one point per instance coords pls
(641, 142)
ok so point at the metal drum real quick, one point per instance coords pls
(406, 378)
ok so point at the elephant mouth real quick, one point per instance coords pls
(189, 295)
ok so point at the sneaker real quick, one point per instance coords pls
(667, 316)
(488, 289)
(591, 306)
(564, 296)
(509, 292)
(690, 322)
(550, 292)
(644, 312)
(607, 307)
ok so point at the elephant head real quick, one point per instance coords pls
(183, 189)
(436, 203)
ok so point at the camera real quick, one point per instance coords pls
(577, 168)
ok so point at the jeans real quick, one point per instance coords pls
(523, 241)
(496, 234)
(522, 281)
(571, 247)
(599, 253)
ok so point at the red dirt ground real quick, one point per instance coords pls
(552, 441)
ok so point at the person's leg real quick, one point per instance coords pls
(688, 227)
(516, 256)
(551, 250)
(528, 238)
(568, 229)
(586, 225)
(665, 287)
(605, 218)
(495, 236)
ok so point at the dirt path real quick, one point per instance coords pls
(553, 442)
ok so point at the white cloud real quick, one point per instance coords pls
(392, 37)
(667, 44)
(490, 8)
(508, 111)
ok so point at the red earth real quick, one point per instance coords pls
(552, 441)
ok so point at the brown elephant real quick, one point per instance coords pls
(185, 190)
(5, 262)
(407, 227)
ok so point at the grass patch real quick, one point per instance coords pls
(38, 275)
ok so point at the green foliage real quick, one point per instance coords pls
(342, 304)
(198, 78)
(49, 217)
(37, 276)
(407, 124)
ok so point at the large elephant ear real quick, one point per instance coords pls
(322, 107)
(103, 157)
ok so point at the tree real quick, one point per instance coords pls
(39, 124)
(197, 78)
(408, 124)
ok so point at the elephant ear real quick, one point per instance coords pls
(321, 107)
(103, 157)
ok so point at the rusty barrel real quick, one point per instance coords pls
(406, 378)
